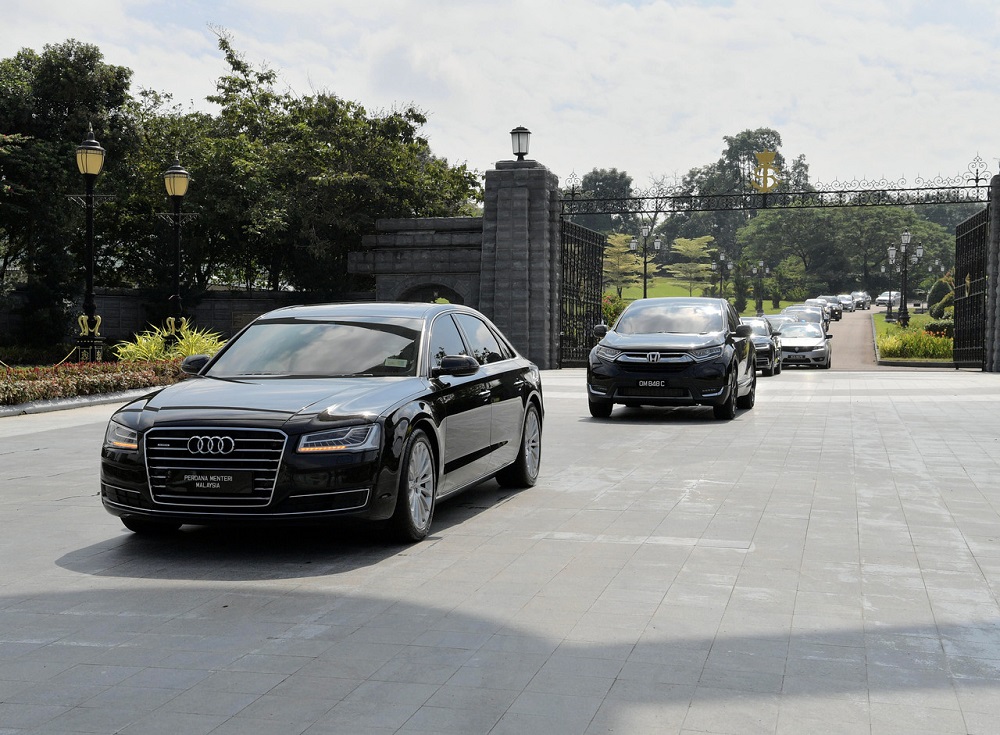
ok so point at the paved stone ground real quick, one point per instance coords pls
(828, 562)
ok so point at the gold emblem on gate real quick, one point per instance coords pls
(765, 176)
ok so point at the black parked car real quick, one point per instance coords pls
(673, 352)
(373, 410)
(766, 342)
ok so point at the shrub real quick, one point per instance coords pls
(21, 385)
(937, 310)
(159, 344)
(915, 344)
(612, 305)
(939, 290)
(941, 328)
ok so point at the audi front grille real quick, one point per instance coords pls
(248, 459)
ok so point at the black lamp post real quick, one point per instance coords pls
(519, 139)
(914, 256)
(759, 270)
(90, 161)
(719, 264)
(176, 180)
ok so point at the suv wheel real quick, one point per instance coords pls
(747, 401)
(600, 409)
(726, 411)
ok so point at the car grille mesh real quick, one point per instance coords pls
(256, 450)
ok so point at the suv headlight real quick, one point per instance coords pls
(607, 353)
(706, 353)
(118, 436)
(350, 439)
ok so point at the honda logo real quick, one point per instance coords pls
(211, 444)
(652, 357)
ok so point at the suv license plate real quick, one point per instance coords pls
(652, 384)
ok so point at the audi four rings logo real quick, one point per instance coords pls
(653, 356)
(211, 444)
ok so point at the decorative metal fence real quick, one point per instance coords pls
(582, 270)
(971, 258)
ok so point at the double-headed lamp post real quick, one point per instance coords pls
(633, 245)
(176, 181)
(90, 161)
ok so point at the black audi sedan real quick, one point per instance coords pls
(374, 411)
(673, 351)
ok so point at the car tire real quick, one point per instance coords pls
(147, 527)
(726, 411)
(777, 366)
(600, 409)
(826, 365)
(524, 471)
(746, 402)
(417, 494)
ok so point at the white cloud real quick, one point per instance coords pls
(862, 89)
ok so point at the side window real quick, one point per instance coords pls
(445, 340)
(734, 318)
(485, 346)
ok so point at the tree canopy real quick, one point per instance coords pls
(282, 186)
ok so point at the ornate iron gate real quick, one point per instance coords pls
(971, 255)
(580, 293)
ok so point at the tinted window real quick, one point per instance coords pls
(802, 329)
(759, 328)
(485, 346)
(355, 347)
(445, 340)
(677, 318)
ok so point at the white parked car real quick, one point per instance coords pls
(883, 299)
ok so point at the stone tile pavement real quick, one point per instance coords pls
(828, 562)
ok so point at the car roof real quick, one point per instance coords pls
(377, 309)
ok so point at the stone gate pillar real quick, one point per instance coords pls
(521, 258)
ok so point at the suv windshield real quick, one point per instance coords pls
(301, 348)
(671, 318)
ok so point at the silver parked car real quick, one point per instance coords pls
(806, 344)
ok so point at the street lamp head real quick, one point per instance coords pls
(644, 230)
(633, 245)
(892, 253)
(519, 138)
(920, 250)
(90, 155)
(905, 238)
(176, 179)
(657, 244)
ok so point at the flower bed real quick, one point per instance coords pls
(23, 385)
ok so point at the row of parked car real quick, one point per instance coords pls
(800, 334)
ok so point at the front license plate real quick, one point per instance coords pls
(652, 383)
(198, 482)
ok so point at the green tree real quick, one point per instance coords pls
(49, 100)
(621, 266)
(691, 267)
(605, 184)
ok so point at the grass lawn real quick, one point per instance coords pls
(883, 328)
(662, 286)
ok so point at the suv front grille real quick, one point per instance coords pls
(254, 451)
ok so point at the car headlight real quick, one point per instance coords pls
(607, 353)
(706, 353)
(350, 439)
(118, 436)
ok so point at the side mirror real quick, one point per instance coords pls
(744, 330)
(457, 365)
(193, 364)
(600, 331)
(829, 336)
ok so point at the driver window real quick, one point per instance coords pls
(445, 340)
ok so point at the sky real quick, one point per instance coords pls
(901, 90)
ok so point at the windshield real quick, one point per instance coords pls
(295, 348)
(759, 328)
(802, 329)
(671, 318)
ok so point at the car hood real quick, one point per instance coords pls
(802, 341)
(272, 401)
(661, 341)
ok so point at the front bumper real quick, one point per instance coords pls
(658, 385)
(295, 488)
(818, 356)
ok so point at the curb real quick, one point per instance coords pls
(59, 404)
